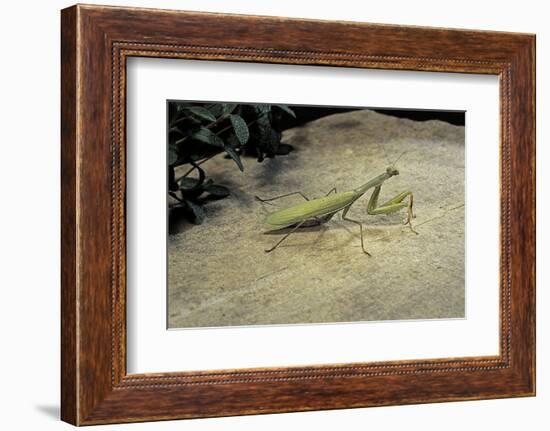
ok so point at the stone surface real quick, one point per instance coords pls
(219, 274)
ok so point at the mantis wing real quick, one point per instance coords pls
(310, 209)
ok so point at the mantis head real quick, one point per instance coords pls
(391, 171)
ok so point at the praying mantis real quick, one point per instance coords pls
(318, 211)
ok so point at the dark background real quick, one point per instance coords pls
(307, 113)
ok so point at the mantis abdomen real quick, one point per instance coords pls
(314, 208)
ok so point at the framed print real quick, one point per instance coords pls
(259, 217)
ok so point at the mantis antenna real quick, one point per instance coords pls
(387, 158)
(385, 153)
(399, 158)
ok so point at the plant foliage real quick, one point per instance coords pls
(200, 131)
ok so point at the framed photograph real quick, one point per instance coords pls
(264, 214)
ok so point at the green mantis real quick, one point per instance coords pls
(314, 212)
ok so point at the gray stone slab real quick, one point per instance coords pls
(219, 274)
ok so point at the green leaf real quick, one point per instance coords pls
(232, 141)
(263, 108)
(198, 212)
(287, 110)
(208, 137)
(190, 183)
(218, 191)
(172, 156)
(263, 121)
(216, 109)
(241, 129)
(187, 183)
(228, 108)
(235, 156)
(201, 113)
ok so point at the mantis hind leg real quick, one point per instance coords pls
(344, 214)
(285, 237)
(281, 196)
(333, 190)
(393, 205)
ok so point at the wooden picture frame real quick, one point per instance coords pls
(95, 43)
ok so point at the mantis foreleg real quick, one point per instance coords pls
(360, 227)
(391, 206)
